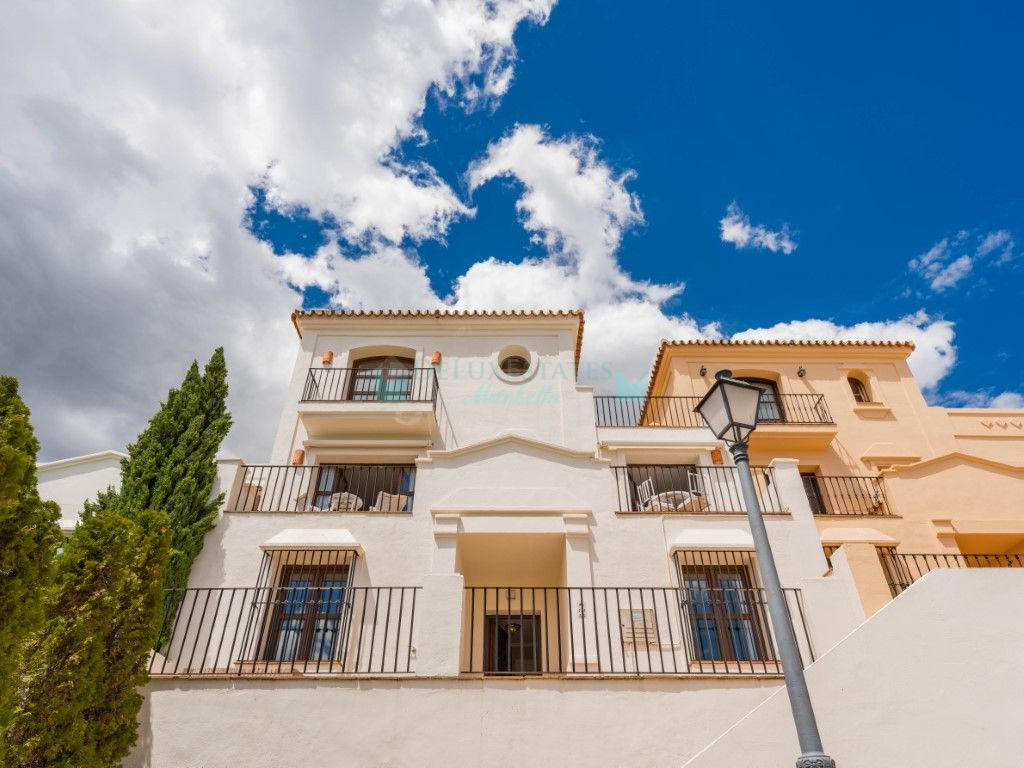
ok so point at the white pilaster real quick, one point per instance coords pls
(806, 559)
(439, 621)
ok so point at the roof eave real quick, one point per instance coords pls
(763, 343)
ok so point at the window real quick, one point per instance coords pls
(381, 379)
(307, 615)
(812, 487)
(515, 365)
(725, 612)
(307, 610)
(769, 408)
(859, 389)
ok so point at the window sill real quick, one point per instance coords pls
(872, 409)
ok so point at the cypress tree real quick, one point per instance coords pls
(78, 699)
(64, 672)
(113, 716)
(172, 464)
(29, 537)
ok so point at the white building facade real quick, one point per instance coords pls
(71, 482)
(447, 561)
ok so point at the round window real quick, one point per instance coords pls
(515, 365)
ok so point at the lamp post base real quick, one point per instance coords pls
(815, 760)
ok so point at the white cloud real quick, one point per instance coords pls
(983, 399)
(1007, 400)
(938, 266)
(999, 240)
(943, 269)
(386, 277)
(132, 133)
(951, 274)
(579, 209)
(933, 357)
(737, 229)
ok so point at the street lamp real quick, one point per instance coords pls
(730, 411)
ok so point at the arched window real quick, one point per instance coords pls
(381, 378)
(859, 389)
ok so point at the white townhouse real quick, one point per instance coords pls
(457, 555)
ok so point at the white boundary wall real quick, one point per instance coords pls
(443, 723)
(933, 680)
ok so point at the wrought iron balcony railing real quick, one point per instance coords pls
(678, 412)
(624, 411)
(370, 385)
(846, 495)
(691, 489)
(902, 569)
(623, 631)
(324, 488)
(333, 629)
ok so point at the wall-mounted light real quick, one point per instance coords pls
(328, 357)
(703, 370)
(435, 359)
(801, 371)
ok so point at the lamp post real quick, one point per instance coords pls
(730, 411)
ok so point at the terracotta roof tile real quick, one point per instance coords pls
(782, 343)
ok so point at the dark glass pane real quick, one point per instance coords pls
(288, 635)
(325, 638)
(706, 634)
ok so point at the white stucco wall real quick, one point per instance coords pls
(71, 482)
(932, 680)
(443, 723)
(474, 402)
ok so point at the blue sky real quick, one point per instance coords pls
(175, 177)
(874, 132)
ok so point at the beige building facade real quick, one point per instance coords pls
(901, 486)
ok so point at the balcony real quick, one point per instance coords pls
(370, 488)
(679, 411)
(369, 402)
(792, 422)
(902, 569)
(622, 411)
(784, 422)
(627, 631)
(691, 489)
(846, 495)
(330, 629)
